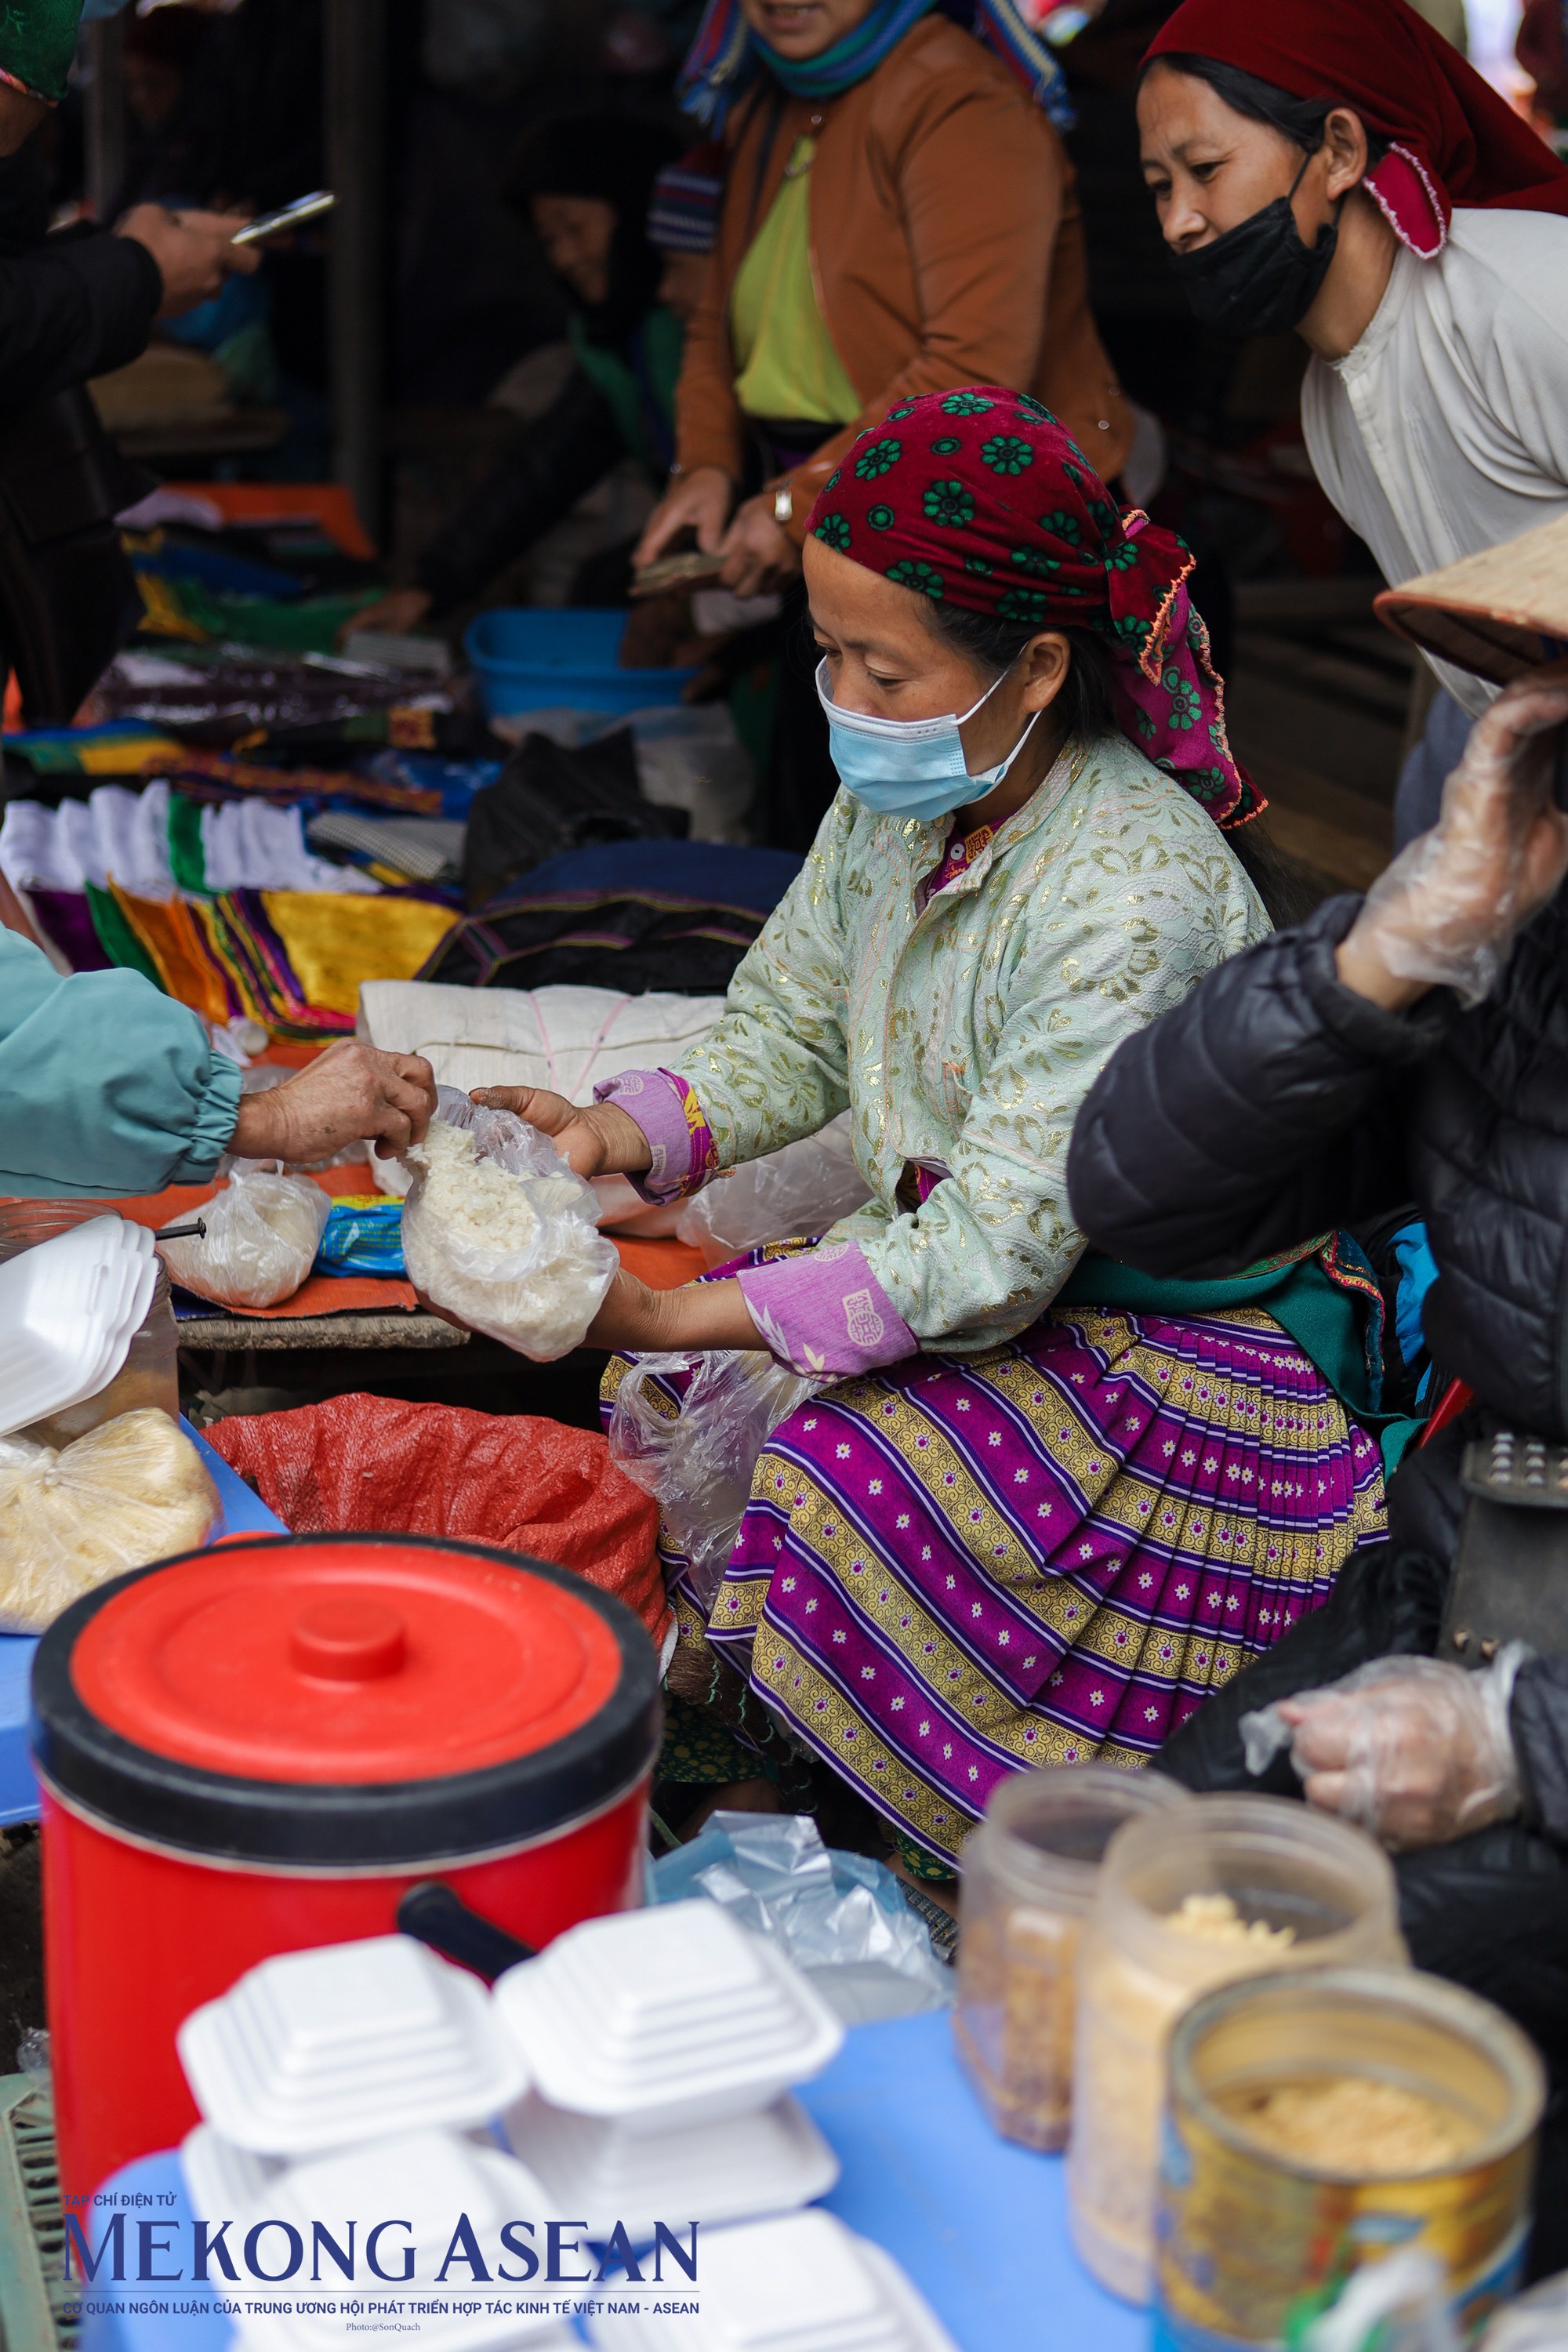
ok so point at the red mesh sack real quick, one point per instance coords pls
(387, 1468)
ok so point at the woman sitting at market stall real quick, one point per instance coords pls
(899, 216)
(1335, 166)
(626, 227)
(1006, 1532)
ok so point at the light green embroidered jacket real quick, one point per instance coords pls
(966, 1032)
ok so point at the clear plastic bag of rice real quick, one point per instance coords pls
(263, 1231)
(500, 1232)
(131, 1491)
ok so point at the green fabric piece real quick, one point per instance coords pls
(186, 856)
(37, 43)
(699, 1749)
(306, 625)
(660, 340)
(786, 362)
(117, 938)
(1317, 1313)
(929, 1868)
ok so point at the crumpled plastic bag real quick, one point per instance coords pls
(131, 1491)
(842, 1917)
(1536, 2321)
(263, 1231)
(697, 1464)
(802, 1189)
(499, 1232)
(1410, 1748)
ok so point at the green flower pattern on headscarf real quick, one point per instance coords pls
(923, 577)
(950, 504)
(833, 532)
(879, 458)
(1007, 454)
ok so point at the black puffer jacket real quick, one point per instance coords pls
(1274, 1103)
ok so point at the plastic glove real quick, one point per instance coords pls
(1446, 912)
(1415, 1751)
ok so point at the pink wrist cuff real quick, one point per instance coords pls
(826, 1312)
(679, 1139)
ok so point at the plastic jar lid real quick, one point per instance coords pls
(1044, 1834)
(333, 1699)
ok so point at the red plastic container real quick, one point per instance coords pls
(259, 1748)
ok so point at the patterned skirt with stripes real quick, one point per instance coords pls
(1046, 1554)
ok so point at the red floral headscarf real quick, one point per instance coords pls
(981, 498)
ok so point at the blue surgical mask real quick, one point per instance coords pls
(909, 767)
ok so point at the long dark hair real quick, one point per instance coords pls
(1089, 711)
(1085, 702)
(1299, 119)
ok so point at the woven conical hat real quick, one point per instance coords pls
(1498, 613)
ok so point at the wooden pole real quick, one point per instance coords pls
(105, 114)
(355, 65)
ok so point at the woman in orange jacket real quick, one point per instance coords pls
(900, 217)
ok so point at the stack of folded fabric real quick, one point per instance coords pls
(222, 905)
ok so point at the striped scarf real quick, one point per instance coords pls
(727, 56)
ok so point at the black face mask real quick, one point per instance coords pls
(1257, 278)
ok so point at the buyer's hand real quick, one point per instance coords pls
(194, 251)
(1415, 1751)
(699, 501)
(350, 1094)
(758, 554)
(1446, 912)
(596, 1139)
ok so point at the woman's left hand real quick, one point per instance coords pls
(758, 555)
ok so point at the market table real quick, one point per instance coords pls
(979, 2225)
(243, 1514)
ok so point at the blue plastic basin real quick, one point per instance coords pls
(561, 658)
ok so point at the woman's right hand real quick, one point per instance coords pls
(398, 612)
(594, 1139)
(699, 501)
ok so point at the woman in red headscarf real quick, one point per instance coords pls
(1336, 167)
(1008, 1529)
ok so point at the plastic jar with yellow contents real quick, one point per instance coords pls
(1030, 1874)
(1227, 1887)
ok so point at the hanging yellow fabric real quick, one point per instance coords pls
(334, 944)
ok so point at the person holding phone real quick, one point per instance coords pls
(83, 300)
